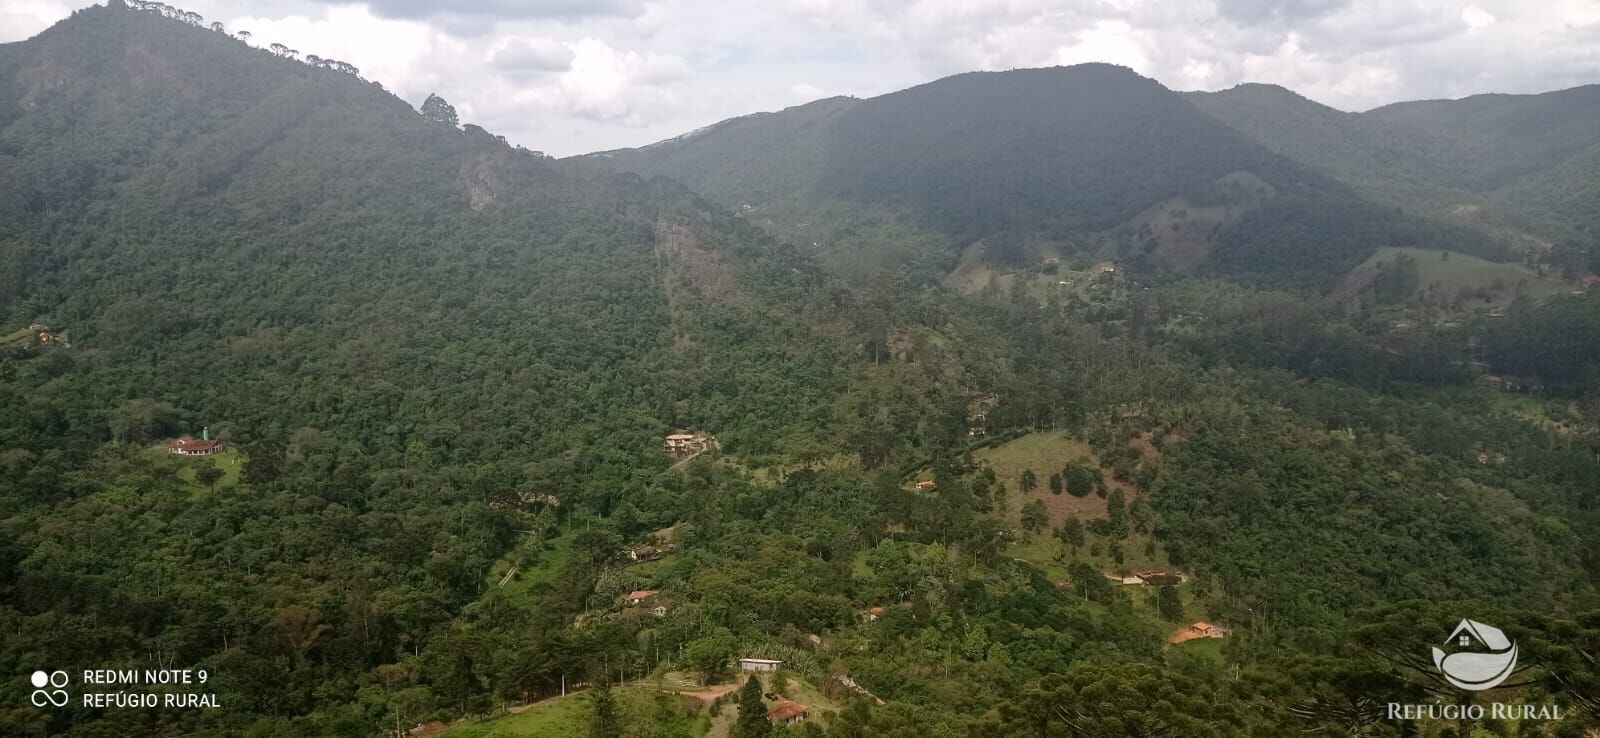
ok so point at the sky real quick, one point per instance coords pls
(574, 76)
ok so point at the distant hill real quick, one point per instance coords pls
(1032, 162)
(1516, 167)
(1386, 161)
(1516, 135)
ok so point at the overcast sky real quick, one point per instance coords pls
(571, 76)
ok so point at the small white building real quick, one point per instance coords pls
(759, 664)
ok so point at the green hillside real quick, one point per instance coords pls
(1516, 135)
(445, 369)
(1031, 161)
(1385, 161)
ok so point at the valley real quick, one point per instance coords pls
(1041, 402)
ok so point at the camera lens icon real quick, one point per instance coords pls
(48, 690)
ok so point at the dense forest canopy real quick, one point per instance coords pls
(1087, 495)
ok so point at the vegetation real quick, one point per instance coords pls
(907, 162)
(447, 366)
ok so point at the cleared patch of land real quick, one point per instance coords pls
(1045, 454)
(561, 717)
(1453, 273)
(230, 461)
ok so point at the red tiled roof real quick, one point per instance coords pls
(785, 710)
(643, 594)
(189, 443)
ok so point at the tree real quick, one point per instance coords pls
(1168, 603)
(437, 110)
(1034, 516)
(208, 475)
(709, 656)
(1117, 512)
(142, 421)
(1072, 533)
(603, 721)
(244, 35)
(1080, 480)
(1029, 480)
(752, 721)
(1055, 483)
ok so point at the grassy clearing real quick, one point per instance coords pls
(19, 337)
(1045, 454)
(973, 275)
(537, 568)
(1206, 648)
(560, 717)
(230, 461)
(1461, 271)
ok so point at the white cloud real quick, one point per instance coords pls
(804, 92)
(20, 19)
(567, 76)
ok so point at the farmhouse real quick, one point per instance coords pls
(749, 664)
(641, 596)
(787, 712)
(688, 444)
(191, 446)
(1203, 629)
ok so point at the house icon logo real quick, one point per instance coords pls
(1477, 670)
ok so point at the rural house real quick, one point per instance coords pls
(680, 445)
(641, 596)
(787, 712)
(1203, 629)
(749, 664)
(191, 446)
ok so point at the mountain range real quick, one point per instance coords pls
(1096, 159)
(1042, 402)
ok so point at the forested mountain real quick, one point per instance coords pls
(1514, 166)
(1031, 161)
(1147, 502)
(1516, 135)
(1384, 160)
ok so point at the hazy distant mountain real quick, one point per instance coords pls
(1091, 158)
(1513, 166)
(1515, 135)
(1384, 160)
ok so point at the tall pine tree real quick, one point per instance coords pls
(752, 721)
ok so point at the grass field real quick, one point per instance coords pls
(560, 717)
(230, 461)
(1461, 271)
(19, 337)
(1046, 453)
(519, 590)
(1208, 648)
(973, 275)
